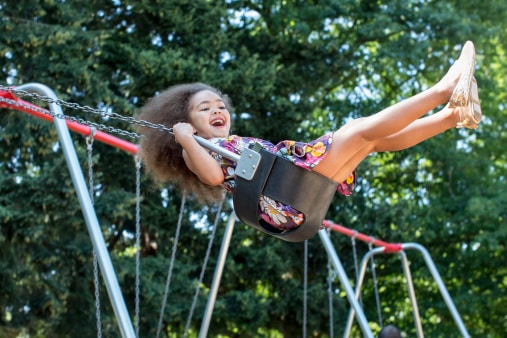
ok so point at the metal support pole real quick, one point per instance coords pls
(361, 318)
(218, 275)
(436, 276)
(410, 287)
(359, 283)
(106, 266)
(441, 286)
(411, 294)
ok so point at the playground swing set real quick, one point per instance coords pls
(257, 173)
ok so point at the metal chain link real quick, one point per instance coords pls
(305, 289)
(203, 268)
(330, 280)
(331, 276)
(89, 150)
(356, 263)
(15, 104)
(171, 264)
(375, 285)
(86, 109)
(138, 242)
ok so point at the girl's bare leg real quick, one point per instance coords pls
(416, 132)
(394, 128)
(420, 130)
(359, 138)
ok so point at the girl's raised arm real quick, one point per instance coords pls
(197, 159)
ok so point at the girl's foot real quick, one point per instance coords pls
(471, 114)
(465, 96)
(459, 97)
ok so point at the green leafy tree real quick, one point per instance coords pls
(294, 70)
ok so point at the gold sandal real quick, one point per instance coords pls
(465, 96)
(471, 115)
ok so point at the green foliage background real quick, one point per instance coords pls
(294, 70)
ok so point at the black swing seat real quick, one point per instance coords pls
(260, 172)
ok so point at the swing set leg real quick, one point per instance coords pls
(411, 294)
(105, 263)
(406, 269)
(369, 256)
(217, 276)
(333, 256)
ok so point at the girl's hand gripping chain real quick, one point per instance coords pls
(182, 131)
(197, 159)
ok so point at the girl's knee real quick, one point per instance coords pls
(353, 129)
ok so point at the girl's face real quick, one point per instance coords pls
(209, 116)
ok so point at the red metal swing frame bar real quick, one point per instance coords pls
(74, 126)
(388, 247)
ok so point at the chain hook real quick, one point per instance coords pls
(90, 138)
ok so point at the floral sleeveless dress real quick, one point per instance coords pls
(305, 155)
